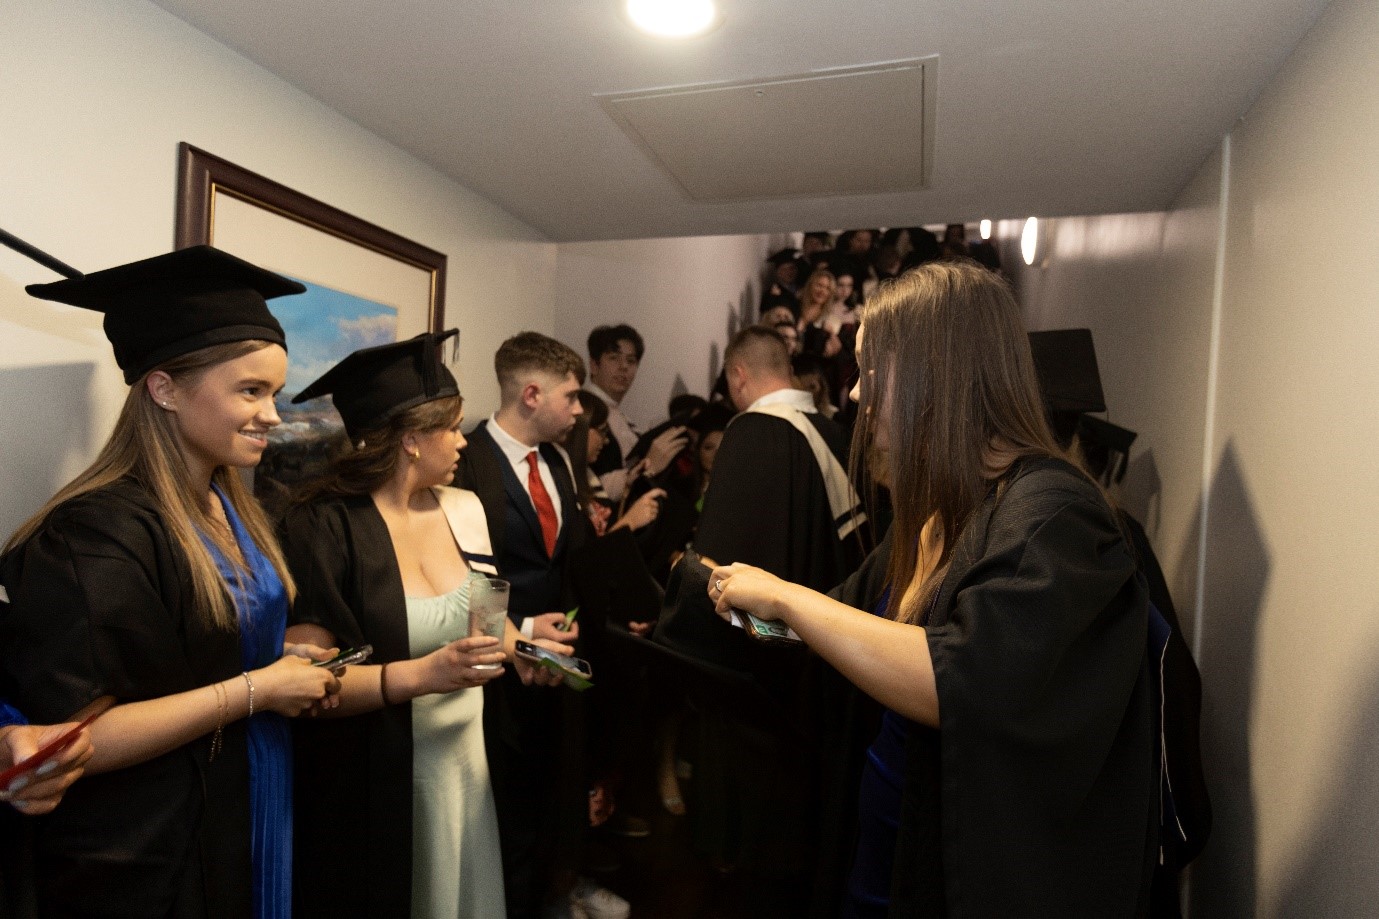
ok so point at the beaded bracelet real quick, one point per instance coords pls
(251, 694)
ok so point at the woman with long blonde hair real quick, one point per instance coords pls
(1002, 624)
(154, 578)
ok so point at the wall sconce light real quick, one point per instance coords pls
(1029, 240)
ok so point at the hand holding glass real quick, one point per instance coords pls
(488, 611)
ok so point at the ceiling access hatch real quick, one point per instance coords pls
(847, 131)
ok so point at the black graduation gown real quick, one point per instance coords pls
(100, 605)
(767, 506)
(1037, 796)
(353, 794)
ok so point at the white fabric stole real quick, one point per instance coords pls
(843, 501)
(469, 525)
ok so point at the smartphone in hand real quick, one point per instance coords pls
(577, 673)
(345, 658)
(51, 749)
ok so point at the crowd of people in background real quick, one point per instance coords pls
(684, 561)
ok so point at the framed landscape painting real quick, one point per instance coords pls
(365, 286)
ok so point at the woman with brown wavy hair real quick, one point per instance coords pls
(1001, 623)
(154, 578)
(386, 553)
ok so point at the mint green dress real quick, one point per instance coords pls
(457, 871)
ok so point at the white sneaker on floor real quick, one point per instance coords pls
(597, 902)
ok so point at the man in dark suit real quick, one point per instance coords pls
(534, 519)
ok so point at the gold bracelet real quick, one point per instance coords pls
(222, 699)
(383, 685)
(251, 694)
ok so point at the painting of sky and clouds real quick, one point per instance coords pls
(322, 325)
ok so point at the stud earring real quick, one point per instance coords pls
(416, 455)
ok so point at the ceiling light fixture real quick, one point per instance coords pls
(985, 229)
(1029, 240)
(673, 18)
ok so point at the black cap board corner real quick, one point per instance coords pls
(372, 385)
(1065, 361)
(162, 307)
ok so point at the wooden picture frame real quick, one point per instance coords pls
(366, 286)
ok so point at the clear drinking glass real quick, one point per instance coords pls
(488, 610)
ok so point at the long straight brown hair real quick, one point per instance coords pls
(946, 367)
(145, 447)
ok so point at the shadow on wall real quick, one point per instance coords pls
(738, 318)
(1337, 870)
(33, 467)
(1141, 492)
(1238, 566)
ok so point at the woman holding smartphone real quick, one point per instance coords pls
(385, 554)
(154, 578)
(1001, 623)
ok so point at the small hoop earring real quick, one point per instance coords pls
(416, 455)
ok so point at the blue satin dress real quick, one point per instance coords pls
(878, 814)
(262, 604)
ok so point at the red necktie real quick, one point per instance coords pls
(541, 499)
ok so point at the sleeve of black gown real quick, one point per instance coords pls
(1040, 676)
(87, 616)
(318, 555)
(749, 494)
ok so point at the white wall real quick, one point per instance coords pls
(1285, 440)
(1292, 636)
(685, 296)
(98, 93)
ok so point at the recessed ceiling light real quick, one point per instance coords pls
(1029, 240)
(673, 18)
(985, 229)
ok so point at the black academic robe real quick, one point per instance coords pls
(1037, 795)
(353, 796)
(100, 604)
(767, 506)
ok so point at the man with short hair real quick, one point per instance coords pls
(524, 482)
(615, 354)
(780, 499)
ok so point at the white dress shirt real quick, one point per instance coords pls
(623, 431)
(517, 452)
(797, 398)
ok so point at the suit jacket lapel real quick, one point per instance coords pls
(486, 462)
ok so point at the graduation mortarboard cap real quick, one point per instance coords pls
(783, 256)
(373, 384)
(1065, 362)
(169, 305)
(1105, 447)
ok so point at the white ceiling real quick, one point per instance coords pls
(1045, 107)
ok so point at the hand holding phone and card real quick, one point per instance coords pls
(573, 671)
